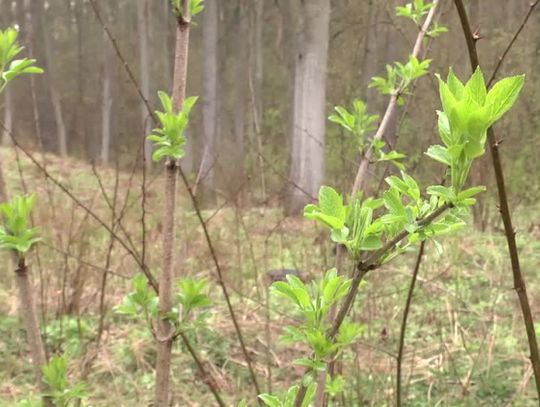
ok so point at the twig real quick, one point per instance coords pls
(399, 359)
(391, 107)
(519, 283)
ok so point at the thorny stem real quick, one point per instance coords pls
(519, 282)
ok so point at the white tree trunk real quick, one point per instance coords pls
(209, 96)
(309, 109)
(106, 101)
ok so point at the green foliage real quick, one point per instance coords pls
(399, 77)
(141, 301)
(358, 121)
(15, 231)
(313, 302)
(287, 400)
(415, 10)
(10, 68)
(55, 375)
(393, 157)
(187, 313)
(468, 111)
(436, 30)
(66, 334)
(170, 138)
(195, 7)
(334, 385)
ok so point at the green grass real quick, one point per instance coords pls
(465, 342)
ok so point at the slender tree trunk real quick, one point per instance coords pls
(258, 49)
(106, 101)
(8, 117)
(28, 313)
(165, 329)
(56, 101)
(209, 98)
(309, 118)
(241, 88)
(144, 66)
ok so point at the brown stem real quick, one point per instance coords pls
(164, 326)
(28, 313)
(391, 107)
(399, 360)
(207, 378)
(221, 282)
(519, 282)
(165, 337)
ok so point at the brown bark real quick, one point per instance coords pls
(391, 107)
(27, 310)
(165, 333)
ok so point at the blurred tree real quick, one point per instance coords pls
(309, 110)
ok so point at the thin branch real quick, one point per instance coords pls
(512, 41)
(399, 359)
(391, 107)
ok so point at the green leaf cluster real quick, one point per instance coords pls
(313, 302)
(170, 138)
(357, 121)
(187, 313)
(55, 375)
(399, 77)
(10, 67)
(15, 231)
(195, 7)
(415, 10)
(393, 157)
(288, 399)
(351, 225)
(468, 110)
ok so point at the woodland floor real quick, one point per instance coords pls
(465, 342)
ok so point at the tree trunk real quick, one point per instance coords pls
(164, 328)
(209, 99)
(241, 89)
(28, 313)
(309, 118)
(8, 117)
(144, 66)
(258, 49)
(106, 100)
(56, 101)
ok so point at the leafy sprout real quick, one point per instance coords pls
(15, 231)
(468, 110)
(195, 7)
(399, 77)
(10, 67)
(415, 10)
(170, 138)
(357, 121)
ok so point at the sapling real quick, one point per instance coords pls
(377, 230)
(18, 237)
(16, 234)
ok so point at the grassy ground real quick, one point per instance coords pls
(465, 342)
